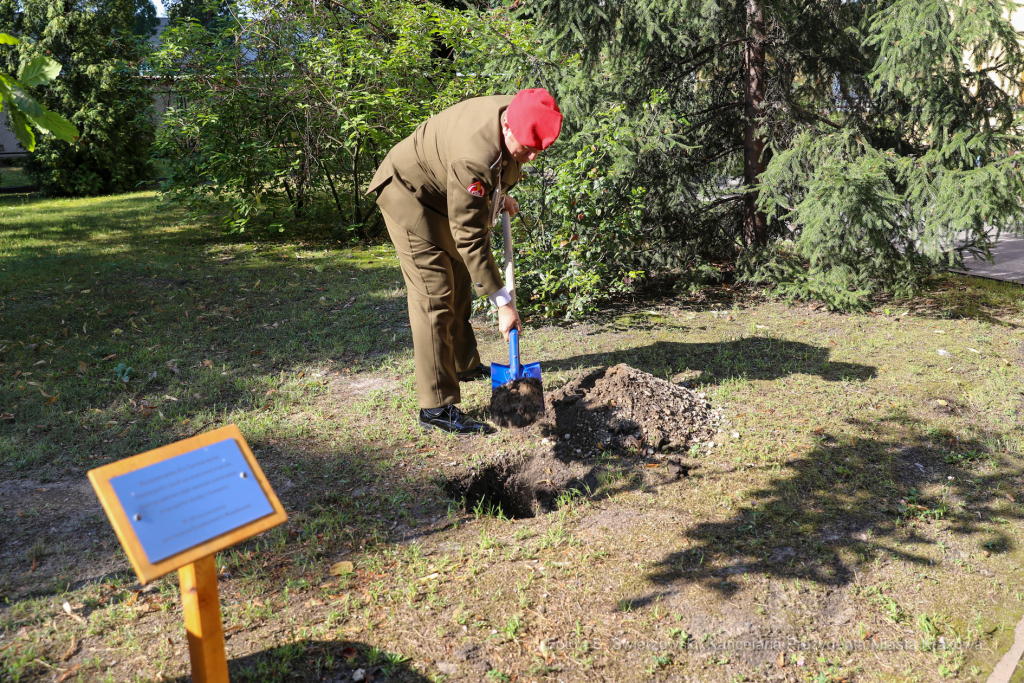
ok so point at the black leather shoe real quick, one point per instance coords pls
(450, 419)
(479, 372)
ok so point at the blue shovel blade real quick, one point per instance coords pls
(503, 374)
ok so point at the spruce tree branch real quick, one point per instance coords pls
(737, 103)
(725, 152)
(724, 200)
(711, 49)
(706, 55)
(813, 115)
(724, 109)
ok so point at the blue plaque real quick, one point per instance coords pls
(186, 500)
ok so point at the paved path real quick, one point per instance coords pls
(1009, 265)
(1010, 663)
(1009, 261)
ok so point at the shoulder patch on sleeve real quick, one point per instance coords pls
(477, 189)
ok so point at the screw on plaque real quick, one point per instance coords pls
(243, 475)
(137, 517)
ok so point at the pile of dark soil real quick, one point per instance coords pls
(617, 411)
(518, 403)
(627, 409)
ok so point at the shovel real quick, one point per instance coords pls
(514, 403)
(504, 374)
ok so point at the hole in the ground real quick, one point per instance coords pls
(605, 414)
(516, 489)
(495, 489)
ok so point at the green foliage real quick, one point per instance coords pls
(877, 201)
(23, 109)
(692, 56)
(582, 238)
(892, 130)
(288, 109)
(100, 92)
(206, 12)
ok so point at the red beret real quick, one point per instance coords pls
(534, 118)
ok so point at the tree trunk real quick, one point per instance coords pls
(755, 223)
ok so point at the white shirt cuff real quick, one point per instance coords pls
(500, 298)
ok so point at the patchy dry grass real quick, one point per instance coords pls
(857, 519)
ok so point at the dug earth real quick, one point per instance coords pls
(603, 424)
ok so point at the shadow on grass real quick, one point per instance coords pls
(319, 661)
(339, 500)
(752, 358)
(517, 493)
(844, 504)
(200, 325)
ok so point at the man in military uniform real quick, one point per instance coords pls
(440, 190)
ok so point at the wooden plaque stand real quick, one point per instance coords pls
(200, 602)
(197, 570)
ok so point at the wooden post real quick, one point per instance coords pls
(201, 604)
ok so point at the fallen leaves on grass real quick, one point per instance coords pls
(82, 367)
(71, 650)
(69, 673)
(340, 568)
(6, 416)
(71, 613)
(207, 363)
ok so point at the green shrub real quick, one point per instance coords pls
(284, 113)
(100, 91)
(582, 237)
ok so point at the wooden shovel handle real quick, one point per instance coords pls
(510, 280)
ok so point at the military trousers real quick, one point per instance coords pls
(440, 295)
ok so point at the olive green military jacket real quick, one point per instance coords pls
(453, 165)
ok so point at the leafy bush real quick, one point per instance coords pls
(582, 237)
(284, 113)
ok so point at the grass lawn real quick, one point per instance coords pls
(13, 176)
(859, 517)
